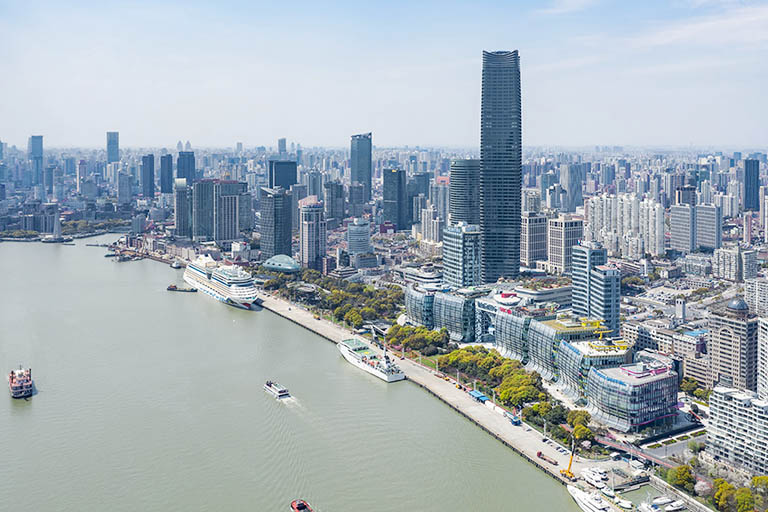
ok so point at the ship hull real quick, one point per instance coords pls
(582, 499)
(204, 287)
(392, 377)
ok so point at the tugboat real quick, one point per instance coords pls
(300, 506)
(276, 390)
(20, 383)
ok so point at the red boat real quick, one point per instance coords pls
(300, 506)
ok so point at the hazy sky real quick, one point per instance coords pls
(648, 72)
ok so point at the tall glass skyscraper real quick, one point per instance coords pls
(361, 163)
(113, 147)
(148, 176)
(751, 185)
(185, 166)
(500, 165)
(395, 197)
(166, 174)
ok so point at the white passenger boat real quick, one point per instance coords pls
(673, 507)
(361, 355)
(276, 390)
(586, 501)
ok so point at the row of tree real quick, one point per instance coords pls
(426, 341)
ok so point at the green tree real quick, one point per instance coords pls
(578, 418)
(745, 501)
(723, 494)
(354, 318)
(682, 477)
(582, 433)
(689, 385)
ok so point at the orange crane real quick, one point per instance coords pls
(567, 473)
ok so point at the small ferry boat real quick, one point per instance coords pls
(300, 506)
(673, 507)
(175, 264)
(20, 383)
(661, 500)
(174, 288)
(361, 355)
(276, 390)
(625, 504)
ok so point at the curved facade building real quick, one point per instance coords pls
(419, 306)
(456, 313)
(512, 335)
(575, 359)
(501, 165)
(464, 191)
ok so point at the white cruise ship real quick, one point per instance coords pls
(361, 355)
(228, 283)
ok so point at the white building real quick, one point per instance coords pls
(533, 238)
(756, 295)
(563, 233)
(737, 432)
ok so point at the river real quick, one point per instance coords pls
(149, 400)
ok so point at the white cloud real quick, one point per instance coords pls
(566, 6)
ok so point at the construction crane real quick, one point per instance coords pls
(567, 473)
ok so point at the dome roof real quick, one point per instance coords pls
(737, 304)
(282, 263)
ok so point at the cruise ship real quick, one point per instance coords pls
(362, 356)
(228, 283)
(20, 383)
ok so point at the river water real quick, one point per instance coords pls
(149, 400)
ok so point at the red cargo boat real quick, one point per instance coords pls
(300, 506)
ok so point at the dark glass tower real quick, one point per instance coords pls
(148, 176)
(361, 163)
(113, 147)
(464, 193)
(276, 220)
(185, 166)
(281, 173)
(166, 174)
(751, 185)
(395, 197)
(500, 165)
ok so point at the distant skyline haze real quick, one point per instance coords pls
(656, 73)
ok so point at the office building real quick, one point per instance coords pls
(439, 198)
(166, 174)
(298, 192)
(501, 165)
(737, 429)
(683, 228)
(359, 237)
(751, 185)
(202, 210)
(276, 219)
(281, 147)
(361, 163)
(148, 176)
(685, 195)
(455, 312)
(576, 358)
(571, 180)
(533, 238)
(113, 147)
(596, 286)
(395, 197)
(732, 345)
(709, 226)
(762, 357)
(461, 255)
(231, 201)
(632, 397)
(419, 306)
(182, 208)
(185, 166)
(312, 233)
(464, 191)
(356, 199)
(124, 188)
(563, 233)
(35, 155)
(334, 203)
(281, 173)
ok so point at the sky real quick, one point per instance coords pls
(651, 73)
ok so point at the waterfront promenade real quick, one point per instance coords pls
(522, 439)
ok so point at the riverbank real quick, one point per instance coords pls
(525, 441)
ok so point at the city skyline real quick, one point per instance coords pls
(589, 75)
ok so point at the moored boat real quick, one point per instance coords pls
(20, 383)
(300, 506)
(661, 500)
(360, 354)
(586, 501)
(675, 506)
(226, 283)
(276, 390)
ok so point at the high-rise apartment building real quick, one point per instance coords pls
(464, 191)
(166, 174)
(124, 188)
(148, 176)
(113, 147)
(276, 219)
(709, 226)
(312, 233)
(734, 264)
(732, 345)
(361, 163)
(572, 180)
(751, 185)
(282, 147)
(185, 166)
(596, 289)
(685, 195)
(501, 165)
(737, 430)
(334, 203)
(563, 233)
(395, 197)
(533, 239)
(461, 255)
(281, 173)
(682, 221)
(35, 155)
